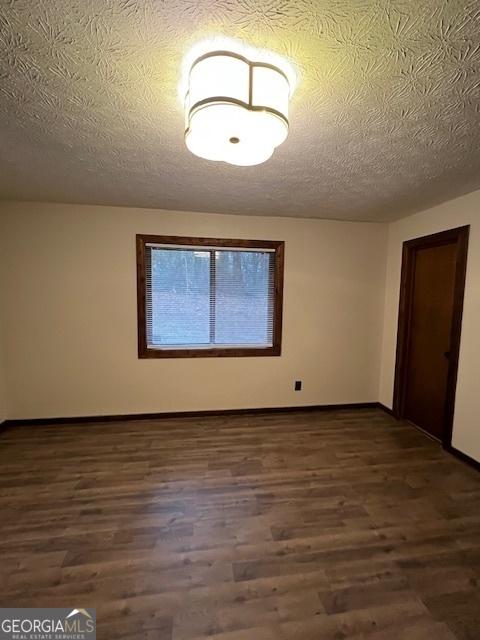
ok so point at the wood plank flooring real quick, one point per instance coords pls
(307, 526)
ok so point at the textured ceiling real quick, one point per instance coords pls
(384, 120)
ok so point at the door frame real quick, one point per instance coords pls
(460, 235)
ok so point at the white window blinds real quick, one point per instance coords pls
(209, 297)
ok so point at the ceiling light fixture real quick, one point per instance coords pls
(236, 109)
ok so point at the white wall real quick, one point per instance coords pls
(70, 314)
(456, 213)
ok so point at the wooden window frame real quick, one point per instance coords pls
(144, 351)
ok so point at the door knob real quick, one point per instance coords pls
(447, 354)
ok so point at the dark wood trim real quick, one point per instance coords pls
(459, 235)
(278, 301)
(400, 360)
(463, 457)
(145, 352)
(210, 242)
(141, 296)
(385, 408)
(189, 414)
(228, 352)
(456, 334)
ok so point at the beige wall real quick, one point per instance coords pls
(69, 311)
(459, 212)
(3, 390)
(70, 314)
(3, 379)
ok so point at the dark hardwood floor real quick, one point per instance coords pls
(295, 526)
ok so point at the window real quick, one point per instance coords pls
(207, 297)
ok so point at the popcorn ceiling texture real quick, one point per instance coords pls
(384, 121)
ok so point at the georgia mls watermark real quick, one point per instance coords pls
(47, 624)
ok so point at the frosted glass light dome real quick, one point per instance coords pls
(236, 110)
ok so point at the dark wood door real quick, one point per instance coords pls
(430, 332)
(433, 279)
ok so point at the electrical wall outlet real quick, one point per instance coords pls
(298, 385)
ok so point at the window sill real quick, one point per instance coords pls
(227, 352)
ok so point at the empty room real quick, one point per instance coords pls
(240, 320)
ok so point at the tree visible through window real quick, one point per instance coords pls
(209, 297)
